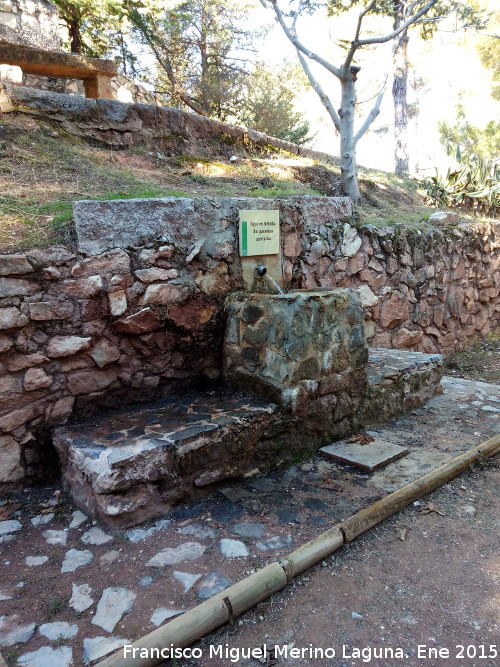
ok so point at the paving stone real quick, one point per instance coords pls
(188, 511)
(199, 531)
(187, 579)
(58, 630)
(263, 484)
(11, 633)
(47, 656)
(233, 548)
(97, 647)
(96, 536)
(161, 614)
(78, 519)
(369, 457)
(138, 534)
(235, 493)
(226, 512)
(171, 556)
(31, 561)
(75, 559)
(41, 519)
(109, 557)
(212, 584)
(56, 536)
(249, 529)
(11, 526)
(277, 542)
(316, 505)
(289, 515)
(80, 597)
(113, 604)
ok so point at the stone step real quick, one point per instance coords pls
(134, 465)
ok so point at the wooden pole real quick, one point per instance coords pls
(223, 607)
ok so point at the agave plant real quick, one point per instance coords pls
(473, 184)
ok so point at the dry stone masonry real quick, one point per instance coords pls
(30, 23)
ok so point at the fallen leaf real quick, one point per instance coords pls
(8, 510)
(361, 438)
(430, 507)
(330, 485)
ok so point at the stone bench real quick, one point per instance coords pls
(95, 73)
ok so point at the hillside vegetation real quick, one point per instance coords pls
(43, 170)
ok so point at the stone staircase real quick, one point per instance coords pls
(134, 465)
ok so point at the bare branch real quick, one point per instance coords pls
(354, 43)
(371, 116)
(399, 29)
(325, 100)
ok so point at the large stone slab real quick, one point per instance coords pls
(371, 456)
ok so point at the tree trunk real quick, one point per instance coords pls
(348, 165)
(400, 95)
(75, 36)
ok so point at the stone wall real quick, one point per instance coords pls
(30, 23)
(115, 325)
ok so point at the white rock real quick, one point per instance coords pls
(185, 551)
(109, 557)
(161, 614)
(31, 561)
(97, 647)
(368, 298)
(96, 536)
(113, 604)
(187, 579)
(11, 633)
(80, 597)
(11, 526)
(47, 657)
(41, 519)
(58, 630)
(233, 548)
(78, 519)
(75, 559)
(139, 534)
(56, 536)
(351, 242)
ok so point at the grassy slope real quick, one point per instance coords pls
(42, 172)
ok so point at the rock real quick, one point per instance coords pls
(53, 255)
(161, 614)
(10, 460)
(80, 597)
(96, 536)
(78, 518)
(56, 536)
(84, 288)
(394, 311)
(14, 265)
(75, 559)
(355, 615)
(156, 275)
(11, 633)
(86, 382)
(45, 656)
(16, 287)
(32, 561)
(278, 542)
(139, 534)
(36, 378)
(145, 582)
(64, 346)
(5, 344)
(368, 298)
(226, 512)
(45, 310)
(405, 338)
(12, 318)
(233, 548)
(199, 531)
(212, 584)
(10, 526)
(254, 530)
(114, 262)
(165, 294)
(142, 322)
(104, 353)
(58, 630)
(109, 557)
(444, 218)
(11, 420)
(18, 362)
(171, 556)
(117, 303)
(61, 410)
(42, 519)
(113, 604)
(351, 241)
(187, 579)
(97, 647)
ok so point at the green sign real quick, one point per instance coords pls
(259, 233)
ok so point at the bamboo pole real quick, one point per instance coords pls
(209, 615)
(223, 607)
(374, 514)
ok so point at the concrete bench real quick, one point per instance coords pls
(95, 73)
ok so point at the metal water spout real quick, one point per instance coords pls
(261, 272)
